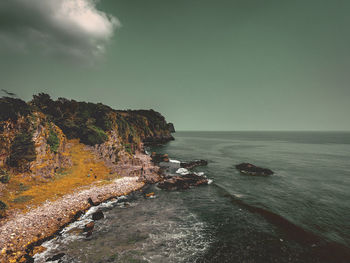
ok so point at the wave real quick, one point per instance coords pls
(182, 171)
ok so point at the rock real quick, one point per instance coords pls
(158, 158)
(171, 127)
(89, 226)
(182, 182)
(56, 257)
(89, 233)
(97, 215)
(250, 169)
(75, 231)
(91, 202)
(192, 164)
(150, 194)
(157, 140)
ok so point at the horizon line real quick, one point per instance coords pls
(261, 130)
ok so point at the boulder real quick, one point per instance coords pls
(158, 158)
(182, 182)
(97, 215)
(56, 257)
(89, 226)
(193, 164)
(250, 169)
(91, 202)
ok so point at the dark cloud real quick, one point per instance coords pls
(71, 27)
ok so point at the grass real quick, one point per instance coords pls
(20, 188)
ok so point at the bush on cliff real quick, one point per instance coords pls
(92, 135)
(53, 141)
(4, 176)
(90, 121)
(22, 151)
(3, 207)
(85, 121)
(11, 108)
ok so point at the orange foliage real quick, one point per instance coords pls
(86, 170)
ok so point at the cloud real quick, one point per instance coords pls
(70, 27)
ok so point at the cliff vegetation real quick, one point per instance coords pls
(50, 147)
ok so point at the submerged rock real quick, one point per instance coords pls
(193, 164)
(250, 169)
(182, 182)
(97, 215)
(56, 257)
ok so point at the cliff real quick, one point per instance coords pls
(45, 139)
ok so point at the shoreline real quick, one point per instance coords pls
(21, 234)
(23, 231)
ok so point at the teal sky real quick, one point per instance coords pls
(205, 65)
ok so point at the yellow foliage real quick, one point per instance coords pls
(85, 168)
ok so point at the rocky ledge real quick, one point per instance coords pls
(183, 182)
(251, 169)
(193, 164)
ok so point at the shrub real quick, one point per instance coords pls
(3, 208)
(11, 108)
(22, 151)
(22, 199)
(92, 135)
(53, 141)
(4, 176)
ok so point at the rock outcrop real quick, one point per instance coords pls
(159, 158)
(250, 169)
(183, 182)
(193, 164)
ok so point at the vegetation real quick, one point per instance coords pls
(11, 108)
(66, 182)
(53, 141)
(92, 135)
(22, 151)
(4, 176)
(3, 208)
(86, 121)
(22, 199)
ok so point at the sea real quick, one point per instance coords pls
(301, 213)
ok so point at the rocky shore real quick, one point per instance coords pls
(59, 157)
(21, 232)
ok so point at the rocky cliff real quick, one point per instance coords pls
(34, 136)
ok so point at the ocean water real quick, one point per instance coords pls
(299, 214)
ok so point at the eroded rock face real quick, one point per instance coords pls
(250, 169)
(47, 159)
(193, 164)
(183, 182)
(158, 140)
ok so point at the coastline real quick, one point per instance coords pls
(22, 232)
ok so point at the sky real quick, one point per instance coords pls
(205, 65)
